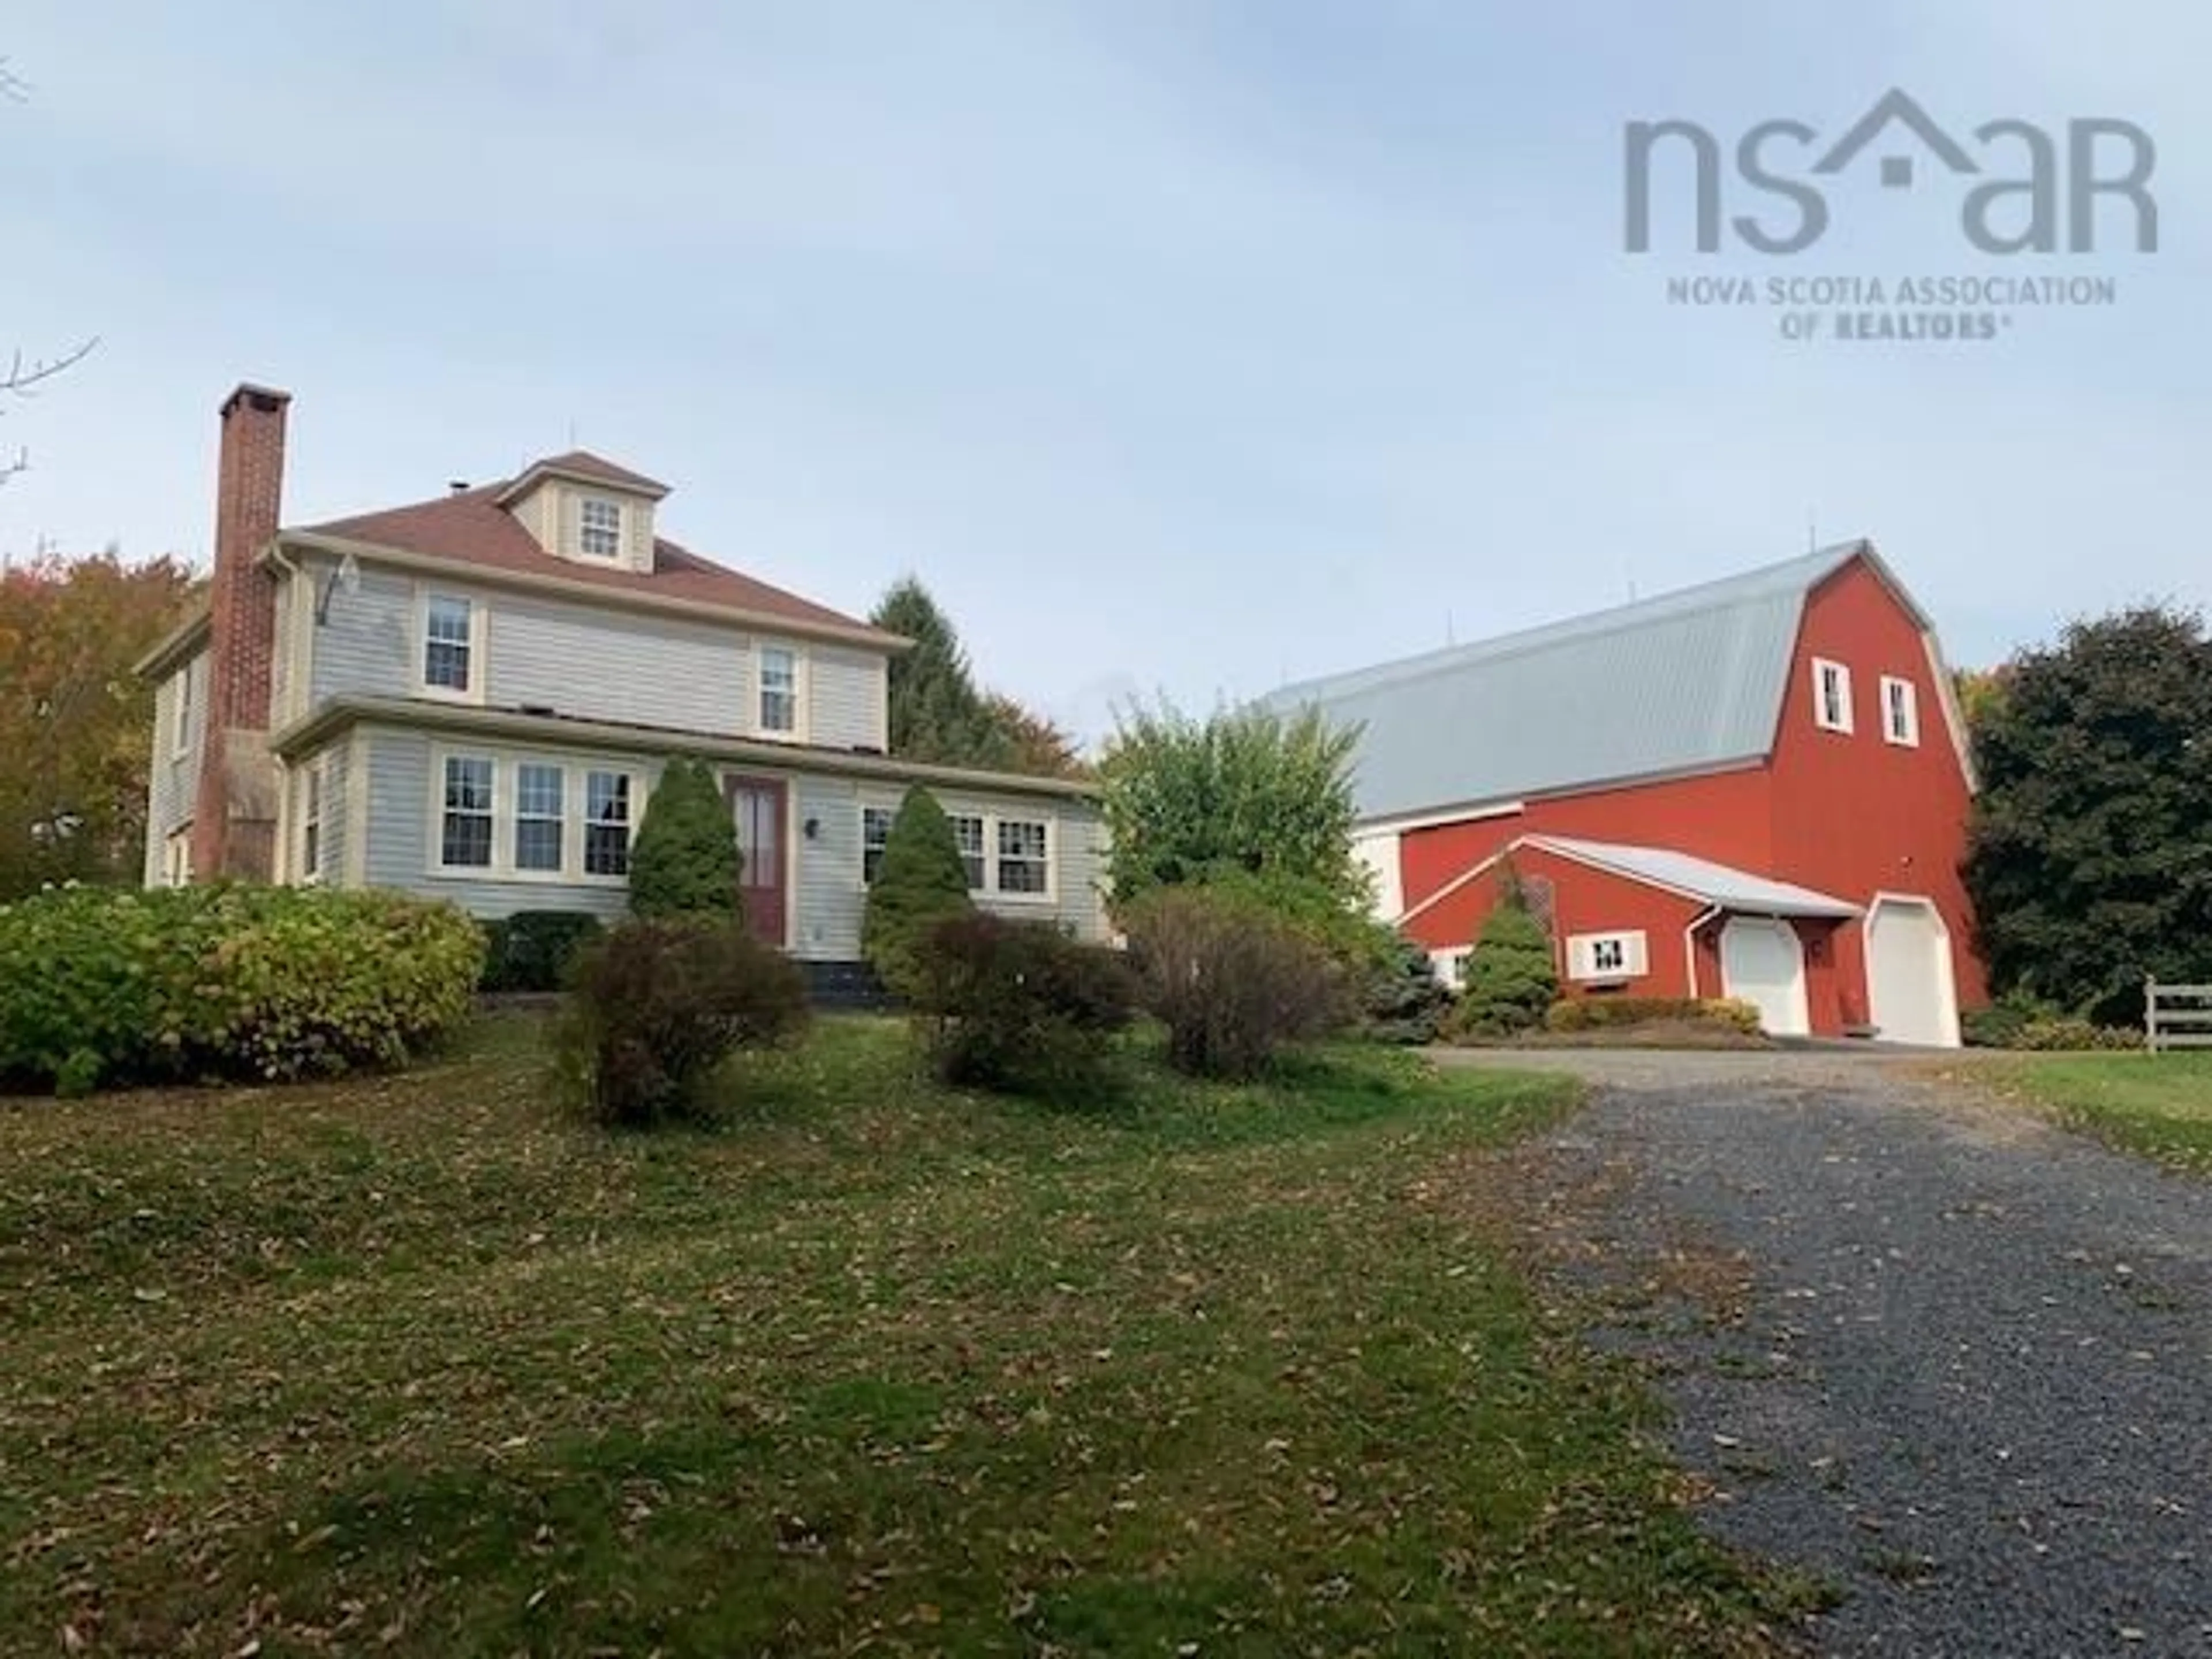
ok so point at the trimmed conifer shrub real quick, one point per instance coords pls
(1509, 981)
(921, 883)
(685, 860)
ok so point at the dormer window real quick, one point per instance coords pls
(600, 536)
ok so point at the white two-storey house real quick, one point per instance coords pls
(470, 697)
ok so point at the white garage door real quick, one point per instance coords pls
(1910, 994)
(1762, 963)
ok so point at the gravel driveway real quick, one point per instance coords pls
(1956, 1362)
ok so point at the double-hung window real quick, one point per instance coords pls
(598, 531)
(1007, 856)
(875, 836)
(779, 690)
(968, 832)
(311, 823)
(1024, 866)
(465, 824)
(606, 824)
(538, 816)
(181, 739)
(1900, 712)
(1832, 696)
(516, 819)
(449, 664)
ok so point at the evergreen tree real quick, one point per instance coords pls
(686, 860)
(936, 712)
(920, 882)
(1510, 979)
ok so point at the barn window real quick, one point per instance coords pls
(1832, 696)
(1900, 712)
(1600, 957)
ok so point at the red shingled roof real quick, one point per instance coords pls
(470, 527)
(582, 464)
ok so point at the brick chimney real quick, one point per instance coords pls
(234, 813)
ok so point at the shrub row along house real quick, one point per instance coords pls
(1756, 788)
(470, 697)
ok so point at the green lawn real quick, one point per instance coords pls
(2157, 1104)
(416, 1366)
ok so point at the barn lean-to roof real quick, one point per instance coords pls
(1682, 682)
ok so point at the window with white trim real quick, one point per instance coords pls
(1606, 956)
(177, 857)
(181, 739)
(779, 689)
(875, 836)
(538, 816)
(1832, 696)
(1900, 712)
(449, 644)
(466, 823)
(1008, 857)
(1024, 862)
(310, 822)
(598, 531)
(606, 824)
(968, 832)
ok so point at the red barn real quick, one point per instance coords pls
(1754, 788)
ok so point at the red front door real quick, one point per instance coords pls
(757, 805)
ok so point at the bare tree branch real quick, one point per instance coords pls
(24, 374)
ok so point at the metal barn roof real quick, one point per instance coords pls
(1687, 681)
(1721, 885)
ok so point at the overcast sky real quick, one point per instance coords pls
(1178, 346)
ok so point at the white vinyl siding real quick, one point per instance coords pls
(1900, 712)
(1603, 958)
(398, 773)
(173, 773)
(591, 662)
(1832, 696)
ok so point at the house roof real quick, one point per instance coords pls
(1720, 884)
(1685, 682)
(471, 528)
(590, 468)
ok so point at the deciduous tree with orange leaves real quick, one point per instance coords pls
(75, 724)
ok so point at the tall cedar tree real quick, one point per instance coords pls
(76, 726)
(920, 882)
(938, 712)
(1510, 980)
(1245, 790)
(2089, 859)
(685, 860)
